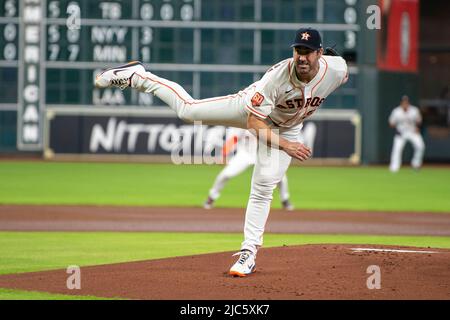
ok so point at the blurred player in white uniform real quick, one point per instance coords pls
(272, 108)
(245, 145)
(406, 120)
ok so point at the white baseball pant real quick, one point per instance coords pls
(238, 164)
(225, 111)
(308, 135)
(397, 150)
(271, 164)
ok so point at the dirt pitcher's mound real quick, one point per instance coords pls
(294, 272)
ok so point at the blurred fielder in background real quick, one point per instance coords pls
(406, 120)
(246, 145)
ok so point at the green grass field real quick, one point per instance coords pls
(341, 188)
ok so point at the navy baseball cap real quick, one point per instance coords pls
(307, 37)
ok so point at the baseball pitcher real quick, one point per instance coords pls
(272, 108)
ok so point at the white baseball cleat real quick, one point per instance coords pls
(287, 205)
(245, 265)
(208, 204)
(119, 76)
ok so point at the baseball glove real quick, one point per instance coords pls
(329, 51)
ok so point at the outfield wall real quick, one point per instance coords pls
(158, 135)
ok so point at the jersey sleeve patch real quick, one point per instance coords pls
(257, 99)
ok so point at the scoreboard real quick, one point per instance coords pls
(51, 50)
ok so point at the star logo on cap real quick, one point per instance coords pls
(305, 36)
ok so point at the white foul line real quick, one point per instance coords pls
(392, 250)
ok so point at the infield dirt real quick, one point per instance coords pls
(297, 272)
(289, 272)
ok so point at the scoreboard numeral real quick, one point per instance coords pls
(54, 51)
(53, 34)
(53, 8)
(187, 12)
(74, 49)
(73, 35)
(147, 35)
(10, 8)
(350, 39)
(166, 12)
(10, 51)
(350, 15)
(145, 54)
(146, 11)
(10, 32)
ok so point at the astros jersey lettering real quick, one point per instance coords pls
(286, 101)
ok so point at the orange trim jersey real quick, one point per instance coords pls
(279, 96)
(286, 101)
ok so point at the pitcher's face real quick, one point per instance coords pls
(306, 60)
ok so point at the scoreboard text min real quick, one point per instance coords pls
(51, 50)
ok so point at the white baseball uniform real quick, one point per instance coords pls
(245, 156)
(405, 123)
(280, 98)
